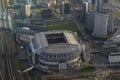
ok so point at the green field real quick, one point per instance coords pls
(72, 3)
(117, 0)
(18, 66)
(117, 14)
(66, 25)
(87, 69)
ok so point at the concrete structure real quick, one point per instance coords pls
(114, 57)
(7, 19)
(28, 10)
(23, 34)
(25, 10)
(42, 4)
(46, 13)
(100, 25)
(84, 11)
(55, 51)
(89, 4)
(28, 1)
(64, 8)
(111, 48)
(85, 8)
(111, 21)
(36, 25)
(21, 2)
(90, 21)
(100, 5)
(111, 12)
(93, 1)
(106, 1)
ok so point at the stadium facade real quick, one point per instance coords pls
(55, 50)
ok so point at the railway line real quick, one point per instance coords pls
(8, 63)
(7, 42)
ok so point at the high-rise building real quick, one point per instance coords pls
(100, 25)
(84, 11)
(90, 21)
(93, 1)
(28, 9)
(25, 10)
(99, 5)
(89, 5)
(85, 7)
(106, 1)
(28, 1)
(111, 21)
(82, 1)
(64, 8)
(22, 11)
(10, 21)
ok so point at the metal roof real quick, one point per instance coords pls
(39, 42)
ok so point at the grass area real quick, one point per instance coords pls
(72, 2)
(66, 25)
(87, 69)
(18, 67)
(117, 0)
(117, 14)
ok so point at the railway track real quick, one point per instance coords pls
(7, 43)
(9, 64)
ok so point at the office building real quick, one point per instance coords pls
(99, 5)
(90, 5)
(100, 25)
(85, 8)
(106, 1)
(84, 11)
(64, 8)
(21, 2)
(90, 21)
(111, 48)
(28, 10)
(25, 10)
(46, 13)
(111, 21)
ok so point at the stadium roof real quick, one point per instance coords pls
(65, 41)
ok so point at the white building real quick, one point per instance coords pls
(7, 19)
(28, 10)
(100, 25)
(114, 57)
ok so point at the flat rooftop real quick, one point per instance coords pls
(116, 36)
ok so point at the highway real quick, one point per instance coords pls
(7, 45)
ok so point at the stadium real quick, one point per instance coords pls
(55, 50)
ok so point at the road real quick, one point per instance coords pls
(86, 37)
